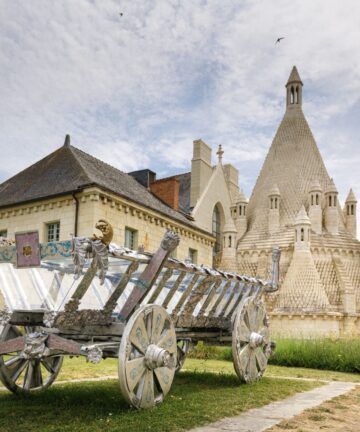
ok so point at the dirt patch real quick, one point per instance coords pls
(339, 414)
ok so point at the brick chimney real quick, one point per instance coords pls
(167, 190)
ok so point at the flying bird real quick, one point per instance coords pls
(121, 14)
(279, 39)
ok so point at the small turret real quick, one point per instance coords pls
(331, 209)
(350, 213)
(228, 258)
(238, 212)
(315, 210)
(294, 90)
(302, 230)
(274, 209)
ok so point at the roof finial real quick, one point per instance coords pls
(67, 140)
(220, 153)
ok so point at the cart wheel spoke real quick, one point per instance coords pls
(19, 370)
(146, 390)
(261, 358)
(134, 371)
(48, 364)
(37, 375)
(165, 378)
(251, 316)
(12, 361)
(244, 332)
(145, 379)
(252, 369)
(138, 336)
(28, 376)
(250, 337)
(158, 321)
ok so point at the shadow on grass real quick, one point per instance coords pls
(195, 399)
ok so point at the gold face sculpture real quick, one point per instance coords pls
(107, 232)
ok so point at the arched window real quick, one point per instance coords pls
(302, 234)
(334, 200)
(330, 201)
(276, 203)
(317, 199)
(216, 229)
(352, 209)
(271, 203)
(292, 96)
(240, 212)
(312, 199)
(229, 241)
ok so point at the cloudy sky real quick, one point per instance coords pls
(136, 90)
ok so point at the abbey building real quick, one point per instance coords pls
(295, 205)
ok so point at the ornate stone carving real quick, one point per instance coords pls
(35, 347)
(170, 241)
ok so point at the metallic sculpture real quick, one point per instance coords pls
(146, 310)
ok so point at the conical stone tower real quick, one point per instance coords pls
(293, 164)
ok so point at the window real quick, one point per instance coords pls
(193, 255)
(53, 231)
(131, 238)
(312, 199)
(317, 199)
(3, 233)
(302, 234)
(330, 201)
(292, 95)
(216, 229)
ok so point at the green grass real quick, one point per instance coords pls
(337, 355)
(195, 399)
(342, 355)
(226, 367)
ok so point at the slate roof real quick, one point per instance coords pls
(184, 192)
(69, 169)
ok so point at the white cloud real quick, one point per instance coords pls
(139, 88)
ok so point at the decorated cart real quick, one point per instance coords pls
(87, 297)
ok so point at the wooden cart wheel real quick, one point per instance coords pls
(147, 357)
(21, 375)
(251, 340)
(183, 347)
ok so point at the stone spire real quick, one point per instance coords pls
(238, 211)
(350, 213)
(292, 163)
(294, 90)
(220, 153)
(302, 289)
(228, 258)
(331, 208)
(315, 206)
(302, 230)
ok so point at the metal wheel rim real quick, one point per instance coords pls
(20, 375)
(251, 340)
(143, 387)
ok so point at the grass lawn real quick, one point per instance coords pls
(196, 398)
(221, 366)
